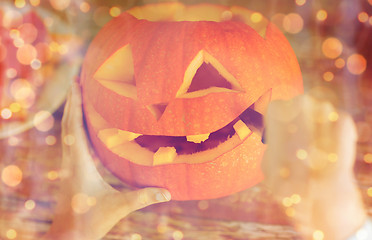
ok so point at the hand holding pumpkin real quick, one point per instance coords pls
(87, 206)
(309, 166)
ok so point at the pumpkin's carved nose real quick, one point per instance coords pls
(157, 109)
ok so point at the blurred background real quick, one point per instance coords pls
(42, 44)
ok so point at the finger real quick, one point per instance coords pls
(73, 132)
(346, 143)
(132, 201)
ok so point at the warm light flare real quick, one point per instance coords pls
(28, 32)
(12, 19)
(11, 175)
(52, 175)
(256, 17)
(69, 140)
(11, 73)
(50, 140)
(356, 64)
(81, 203)
(60, 4)
(318, 235)
(115, 11)
(19, 3)
(30, 205)
(321, 15)
(328, 76)
(26, 54)
(301, 154)
(300, 2)
(363, 17)
(135, 236)
(177, 235)
(35, 3)
(293, 23)
(332, 47)
(367, 158)
(11, 234)
(369, 192)
(6, 113)
(340, 63)
(84, 7)
(43, 121)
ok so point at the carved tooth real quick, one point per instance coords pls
(197, 138)
(113, 137)
(263, 102)
(128, 136)
(242, 129)
(164, 155)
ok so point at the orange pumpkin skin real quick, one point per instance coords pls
(162, 52)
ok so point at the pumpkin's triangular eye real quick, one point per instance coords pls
(117, 73)
(206, 75)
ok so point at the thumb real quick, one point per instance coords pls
(144, 197)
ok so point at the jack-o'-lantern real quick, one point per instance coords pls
(174, 96)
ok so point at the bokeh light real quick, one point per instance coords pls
(13, 141)
(30, 204)
(11, 175)
(300, 2)
(26, 54)
(69, 140)
(332, 47)
(321, 15)
(35, 3)
(19, 3)
(60, 4)
(28, 32)
(43, 121)
(363, 17)
(256, 17)
(12, 19)
(177, 235)
(333, 116)
(340, 63)
(115, 11)
(135, 236)
(332, 157)
(52, 175)
(6, 113)
(293, 23)
(15, 107)
(356, 64)
(11, 234)
(301, 154)
(81, 203)
(318, 235)
(50, 140)
(368, 158)
(328, 76)
(84, 7)
(369, 192)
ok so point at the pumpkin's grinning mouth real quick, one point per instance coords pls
(154, 150)
(251, 118)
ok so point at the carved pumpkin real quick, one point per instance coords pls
(174, 96)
